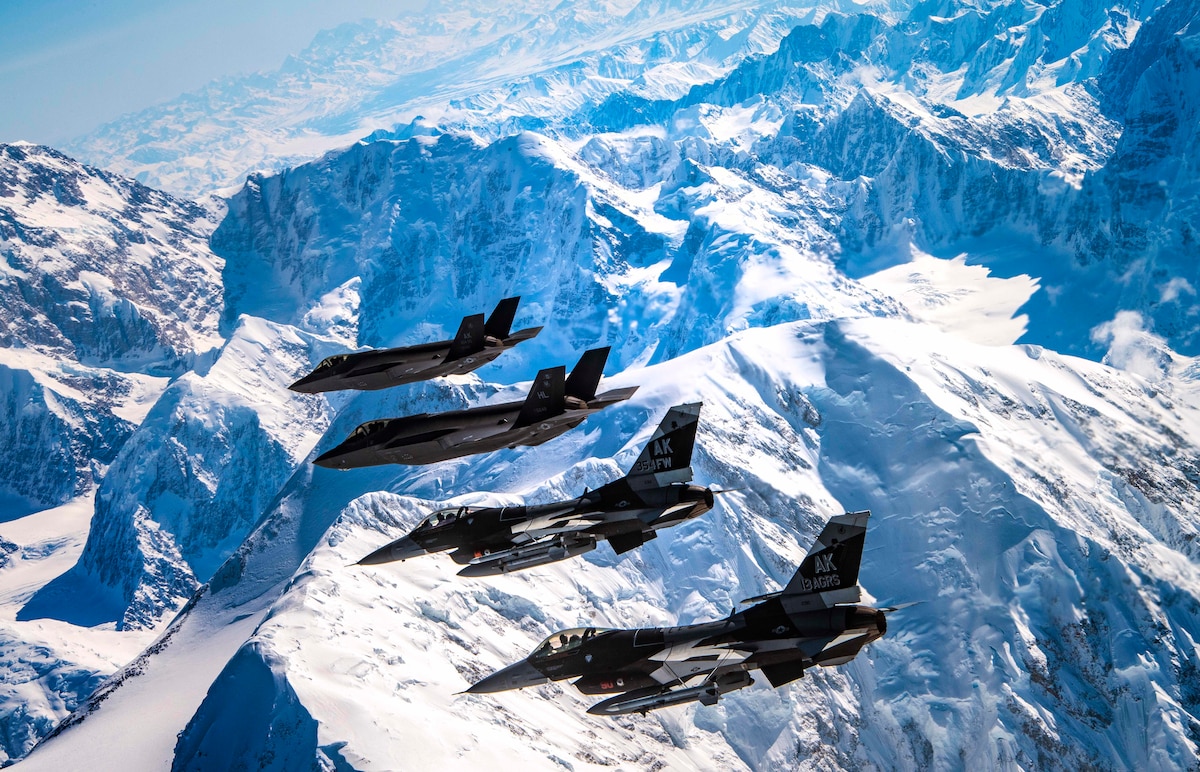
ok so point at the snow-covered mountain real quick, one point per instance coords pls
(832, 227)
(107, 290)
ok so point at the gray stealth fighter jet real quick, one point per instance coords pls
(627, 512)
(477, 343)
(815, 620)
(556, 403)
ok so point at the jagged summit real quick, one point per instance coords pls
(80, 244)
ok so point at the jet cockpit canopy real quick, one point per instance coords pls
(330, 362)
(565, 640)
(445, 516)
(368, 428)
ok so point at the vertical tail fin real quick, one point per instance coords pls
(829, 574)
(545, 397)
(469, 339)
(667, 457)
(499, 324)
(585, 378)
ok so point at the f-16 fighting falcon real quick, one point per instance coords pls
(815, 620)
(556, 403)
(477, 343)
(627, 512)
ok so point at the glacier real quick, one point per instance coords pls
(901, 253)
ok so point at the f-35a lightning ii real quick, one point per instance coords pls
(627, 512)
(556, 403)
(477, 343)
(812, 621)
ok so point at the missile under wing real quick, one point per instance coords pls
(627, 512)
(477, 343)
(555, 404)
(815, 620)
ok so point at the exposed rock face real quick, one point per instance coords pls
(55, 444)
(105, 285)
(101, 269)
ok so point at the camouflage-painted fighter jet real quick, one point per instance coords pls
(815, 620)
(477, 343)
(627, 512)
(556, 403)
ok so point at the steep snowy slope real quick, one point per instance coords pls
(1019, 494)
(1027, 136)
(419, 232)
(193, 479)
(107, 288)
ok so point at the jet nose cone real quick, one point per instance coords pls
(336, 458)
(304, 386)
(512, 677)
(401, 549)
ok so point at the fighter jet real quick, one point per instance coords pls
(814, 620)
(555, 404)
(627, 512)
(476, 344)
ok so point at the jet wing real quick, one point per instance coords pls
(691, 658)
(612, 397)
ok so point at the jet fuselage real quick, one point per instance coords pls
(642, 665)
(477, 342)
(384, 368)
(431, 437)
(494, 540)
(814, 620)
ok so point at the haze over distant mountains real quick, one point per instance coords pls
(934, 260)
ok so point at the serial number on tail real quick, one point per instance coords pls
(820, 582)
(651, 465)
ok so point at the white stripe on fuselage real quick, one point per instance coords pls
(679, 661)
(559, 522)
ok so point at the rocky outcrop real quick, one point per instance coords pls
(100, 269)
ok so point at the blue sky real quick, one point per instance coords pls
(67, 66)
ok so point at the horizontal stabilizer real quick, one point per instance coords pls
(469, 339)
(784, 672)
(500, 322)
(623, 542)
(522, 335)
(667, 457)
(585, 377)
(899, 606)
(612, 397)
(545, 398)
